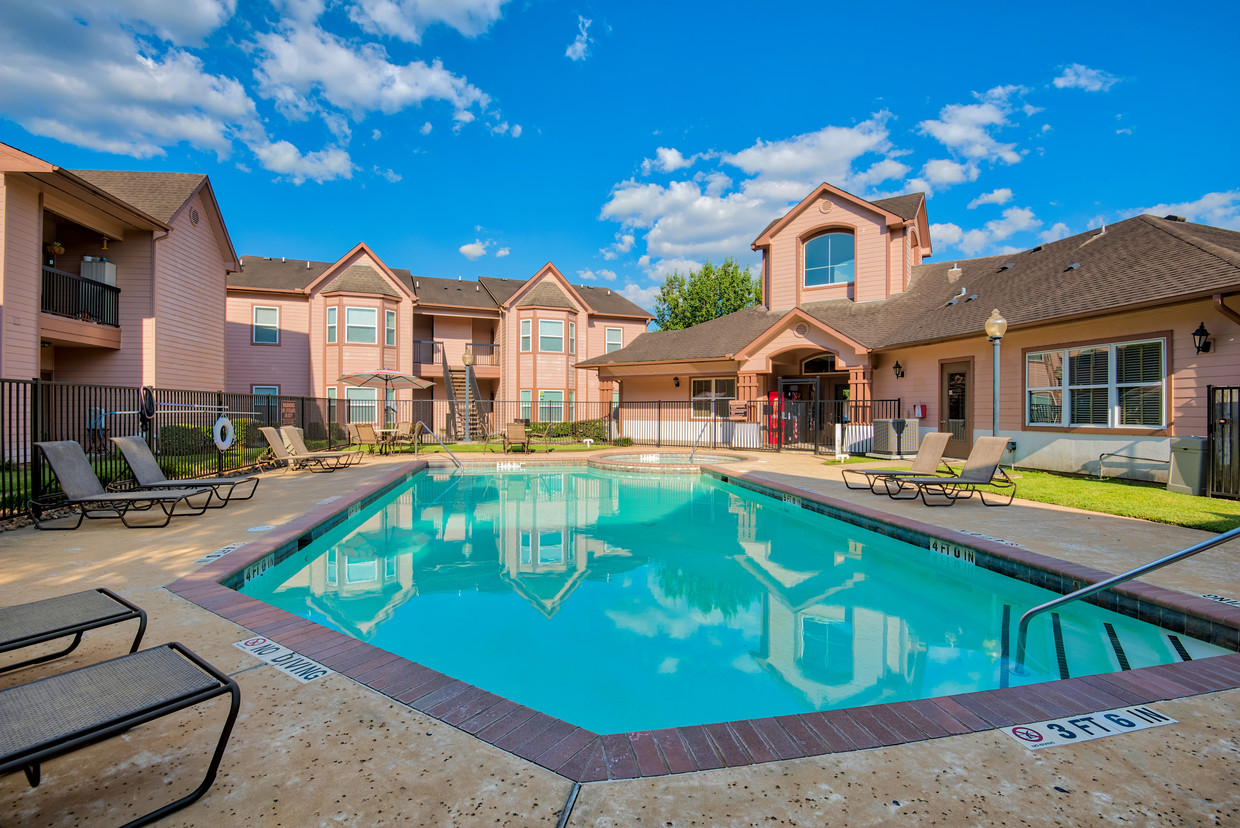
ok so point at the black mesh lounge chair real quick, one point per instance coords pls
(83, 490)
(280, 452)
(293, 438)
(25, 625)
(149, 475)
(981, 469)
(925, 464)
(55, 716)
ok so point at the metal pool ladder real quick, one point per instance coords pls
(435, 437)
(701, 434)
(1023, 629)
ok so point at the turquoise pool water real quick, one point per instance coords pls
(620, 602)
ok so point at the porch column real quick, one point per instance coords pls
(859, 384)
(748, 386)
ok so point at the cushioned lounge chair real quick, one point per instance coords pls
(925, 464)
(342, 458)
(25, 625)
(283, 458)
(981, 469)
(81, 489)
(55, 716)
(149, 475)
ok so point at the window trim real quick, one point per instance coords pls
(1112, 427)
(361, 397)
(374, 327)
(331, 324)
(542, 336)
(558, 405)
(713, 401)
(607, 343)
(254, 392)
(255, 327)
(526, 402)
(572, 337)
(819, 234)
(389, 328)
(527, 336)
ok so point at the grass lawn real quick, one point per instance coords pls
(1128, 498)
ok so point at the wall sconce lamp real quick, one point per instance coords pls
(898, 369)
(104, 246)
(1201, 339)
(676, 382)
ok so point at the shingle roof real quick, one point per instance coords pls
(905, 206)
(158, 194)
(546, 294)
(454, 293)
(501, 289)
(607, 302)
(361, 279)
(1140, 261)
(276, 274)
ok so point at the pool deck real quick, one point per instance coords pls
(337, 752)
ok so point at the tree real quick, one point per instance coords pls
(706, 294)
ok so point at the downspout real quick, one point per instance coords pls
(1230, 313)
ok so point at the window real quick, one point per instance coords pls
(615, 339)
(525, 404)
(525, 336)
(361, 326)
(572, 337)
(830, 259)
(331, 326)
(362, 404)
(389, 327)
(331, 405)
(711, 396)
(1109, 386)
(550, 336)
(551, 406)
(267, 403)
(266, 325)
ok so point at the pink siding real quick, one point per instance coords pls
(20, 276)
(189, 347)
(287, 364)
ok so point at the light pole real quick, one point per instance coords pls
(996, 327)
(468, 359)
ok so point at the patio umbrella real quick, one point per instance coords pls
(384, 379)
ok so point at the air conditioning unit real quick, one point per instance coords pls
(99, 270)
(894, 439)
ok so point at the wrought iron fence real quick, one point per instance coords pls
(75, 297)
(179, 426)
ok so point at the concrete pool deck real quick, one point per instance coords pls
(334, 751)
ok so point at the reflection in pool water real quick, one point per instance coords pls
(623, 601)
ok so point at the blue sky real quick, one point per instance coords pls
(621, 140)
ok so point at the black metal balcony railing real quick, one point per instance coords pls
(483, 354)
(427, 352)
(74, 297)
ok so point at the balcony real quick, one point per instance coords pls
(484, 355)
(74, 297)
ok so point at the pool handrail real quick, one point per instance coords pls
(1022, 631)
(427, 430)
(701, 434)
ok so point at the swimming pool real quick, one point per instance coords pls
(546, 586)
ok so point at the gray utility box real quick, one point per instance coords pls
(1188, 466)
(99, 270)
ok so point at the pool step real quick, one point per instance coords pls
(1077, 648)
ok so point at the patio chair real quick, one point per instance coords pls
(292, 437)
(980, 469)
(516, 435)
(367, 436)
(25, 625)
(925, 464)
(284, 459)
(149, 475)
(81, 489)
(56, 715)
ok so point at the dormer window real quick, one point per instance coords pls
(830, 259)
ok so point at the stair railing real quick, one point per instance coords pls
(1022, 632)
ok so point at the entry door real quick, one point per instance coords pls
(955, 407)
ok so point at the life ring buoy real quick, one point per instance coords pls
(223, 433)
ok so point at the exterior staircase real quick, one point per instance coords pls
(468, 419)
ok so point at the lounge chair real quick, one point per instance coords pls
(342, 458)
(55, 716)
(980, 469)
(925, 464)
(149, 475)
(81, 488)
(283, 458)
(25, 625)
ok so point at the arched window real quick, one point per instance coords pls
(830, 259)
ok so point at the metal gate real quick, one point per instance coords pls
(1224, 442)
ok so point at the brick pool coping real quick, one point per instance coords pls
(584, 756)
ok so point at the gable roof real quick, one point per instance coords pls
(360, 279)
(158, 194)
(266, 273)
(886, 207)
(905, 206)
(1138, 262)
(546, 294)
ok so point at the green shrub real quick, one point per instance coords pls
(246, 433)
(315, 431)
(184, 439)
(575, 430)
(623, 442)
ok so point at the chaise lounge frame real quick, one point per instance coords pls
(149, 475)
(927, 462)
(25, 625)
(285, 460)
(342, 458)
(980, 469)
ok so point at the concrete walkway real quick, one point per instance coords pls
(334, 752)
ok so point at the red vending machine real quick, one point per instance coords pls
(774, 410)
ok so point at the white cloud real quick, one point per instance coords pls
(390, 175)
(502, 252)
(1124, 131)
(947, 234)
(623, 244)
(408, 19)
(971, 242)
(1055, 232)
(967, 128)
(1000, 196)
(284, 158)
(828, 154)
(579, 49)
(589, 276)
(1078, 76)
(376, 135)
(1217, 209)
(474, 250)
(643, 297)
(1015, 220)
(516, 131)
(426, 128)
(942, 172)
(667, 160)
